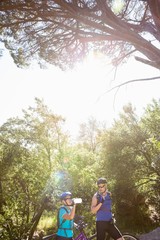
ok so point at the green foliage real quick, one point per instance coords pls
(151, 148)
(47, 223)
(37, 164)
(131, 168)
(28, 148)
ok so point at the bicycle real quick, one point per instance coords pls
(81, 225)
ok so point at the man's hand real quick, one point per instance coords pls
(100, 199)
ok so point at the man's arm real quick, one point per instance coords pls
(95, 206)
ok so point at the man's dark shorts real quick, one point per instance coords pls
(104, 227)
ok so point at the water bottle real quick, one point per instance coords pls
(77, 200)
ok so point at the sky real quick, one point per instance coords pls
(78, 94)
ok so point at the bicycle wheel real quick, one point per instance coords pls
(127, 236)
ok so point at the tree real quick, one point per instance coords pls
(31, 148)
(62, 32)
(129, 152)
(151, 149)
(89, 135)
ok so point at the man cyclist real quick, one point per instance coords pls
(65, 217)
(102, 206)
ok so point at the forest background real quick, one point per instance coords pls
(38, 163)
(37, 159)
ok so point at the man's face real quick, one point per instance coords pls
(102, 188)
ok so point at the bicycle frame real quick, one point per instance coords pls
(81, 236)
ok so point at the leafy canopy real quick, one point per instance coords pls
(62, 32)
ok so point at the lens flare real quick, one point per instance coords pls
(59, 176)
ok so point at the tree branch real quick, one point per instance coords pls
(131, 81)
(150, 63)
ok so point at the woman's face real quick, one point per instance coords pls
(68, 201)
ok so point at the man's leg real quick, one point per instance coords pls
(101, 230)
(114, 232)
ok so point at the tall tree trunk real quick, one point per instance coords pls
(37, 218)
(1, 198)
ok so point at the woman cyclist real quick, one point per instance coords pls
(102, 206)
(65, 217)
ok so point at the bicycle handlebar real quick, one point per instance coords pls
(80, 225)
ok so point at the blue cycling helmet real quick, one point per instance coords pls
(65, 194)
(101, 181)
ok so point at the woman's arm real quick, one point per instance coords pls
(70, 216)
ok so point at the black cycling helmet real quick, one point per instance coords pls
(101, 181)
(65, 194)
